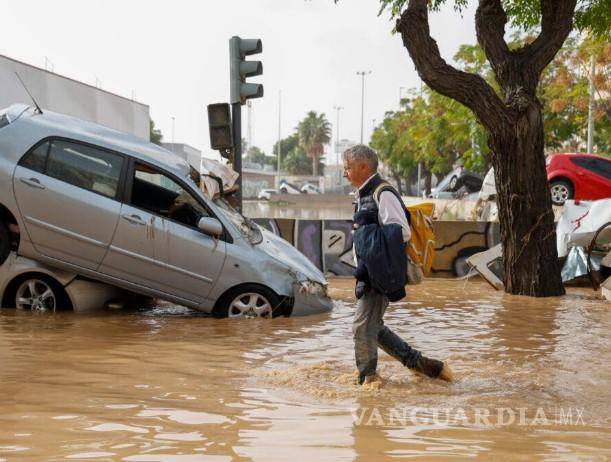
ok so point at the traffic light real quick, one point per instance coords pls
(219, 122)
(240, 90)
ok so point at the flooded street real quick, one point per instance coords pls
(171, 385)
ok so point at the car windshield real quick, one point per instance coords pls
(249, 229)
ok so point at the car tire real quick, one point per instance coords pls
(561, 191)
(249, 301)
(5, 243)
(38, 292)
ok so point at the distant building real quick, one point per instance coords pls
(192, 155)
(334, 178)
(67, 96)
(342, 145)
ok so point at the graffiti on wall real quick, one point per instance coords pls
(328, 243)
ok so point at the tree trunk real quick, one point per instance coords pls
(397, 178)
(528, 232)
(428, 180)
(314, 165)
(408, 186)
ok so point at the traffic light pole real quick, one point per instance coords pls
(236, 118)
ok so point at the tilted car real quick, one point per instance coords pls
(267, 194)
(81, 203)
(578, 176)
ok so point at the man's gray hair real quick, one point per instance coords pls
(362, 153)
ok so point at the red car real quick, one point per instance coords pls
(578, 176)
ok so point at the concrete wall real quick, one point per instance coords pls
(328, 243)
(254, 181)
(61, 94)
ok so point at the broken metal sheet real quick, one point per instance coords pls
(579, 222)
(576, 264)
(211, 170)
(488, 186)
(487, 265)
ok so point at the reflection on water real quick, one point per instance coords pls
(170, 385)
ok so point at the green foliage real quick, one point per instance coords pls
(156, 136)
(564, 91)
(434, 130)
(314, 132)
(293, 157)
(255, 155)
(297, 162)
(439, 131)
(287, 145)
(593, 16)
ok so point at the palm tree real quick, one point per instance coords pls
(314, 132)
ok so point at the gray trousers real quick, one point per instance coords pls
(370, 333)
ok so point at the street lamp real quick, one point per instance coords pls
(339, 170)
(337, 109)
(362, 74)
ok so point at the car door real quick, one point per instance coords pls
(158, 244)
(591, 182)
(67, 192)
(602, 168)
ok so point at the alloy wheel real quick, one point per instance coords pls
(560, 193)
(250, 305)
(35, 295)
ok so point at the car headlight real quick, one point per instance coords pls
(313, 288)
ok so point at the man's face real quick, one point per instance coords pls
(356, 172)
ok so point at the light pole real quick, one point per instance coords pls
(337, 109)
(339, 170)
(591, 108)
(173, 126)
(400, 95)
(362, 74)
(279, 137)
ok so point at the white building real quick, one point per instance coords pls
(67, 96)
(188, 153)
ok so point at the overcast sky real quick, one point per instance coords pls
(174, 56)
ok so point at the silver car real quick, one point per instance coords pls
(84, 205)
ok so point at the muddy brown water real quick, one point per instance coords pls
(170, 385)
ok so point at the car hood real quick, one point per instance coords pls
(285, 253)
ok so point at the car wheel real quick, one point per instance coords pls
(249, 301)
(452, 183)
(561, 191)
(39, 293)
(5, 243)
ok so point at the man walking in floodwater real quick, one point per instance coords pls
(378, 199)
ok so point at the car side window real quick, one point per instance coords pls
(603, 168)
(36, 158)
(598, 166)
(85, 167)
(161, 195)
(581, 162)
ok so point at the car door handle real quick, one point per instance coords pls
(134, 219)
(32, 182)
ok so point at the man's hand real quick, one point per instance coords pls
(360, 289)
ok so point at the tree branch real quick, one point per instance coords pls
(469, 89)
(556, 25)
(490, 21)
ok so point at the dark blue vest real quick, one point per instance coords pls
(366, 200)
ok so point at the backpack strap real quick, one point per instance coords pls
(386, 186)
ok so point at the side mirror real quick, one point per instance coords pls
(210, 226)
